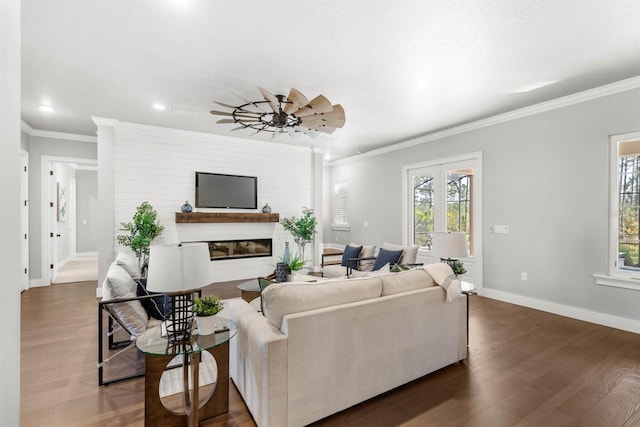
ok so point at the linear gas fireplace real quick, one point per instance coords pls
(235, 249)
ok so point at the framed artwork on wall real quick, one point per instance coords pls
(62, 203)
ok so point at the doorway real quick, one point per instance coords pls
(68, 213)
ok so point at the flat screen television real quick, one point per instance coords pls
(215, 190)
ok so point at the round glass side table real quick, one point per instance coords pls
(176, 373)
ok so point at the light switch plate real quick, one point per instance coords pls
(501, 229)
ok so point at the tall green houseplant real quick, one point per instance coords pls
(141, 231)
(302, 229)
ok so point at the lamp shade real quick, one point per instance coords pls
(450, 245)
(179, 267)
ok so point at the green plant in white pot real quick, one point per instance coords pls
(205, 309)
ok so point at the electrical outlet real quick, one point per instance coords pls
(524, 277)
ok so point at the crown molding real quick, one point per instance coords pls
(26, 128)
(576, 98)
(103, 121)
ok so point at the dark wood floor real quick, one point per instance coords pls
(525, 368)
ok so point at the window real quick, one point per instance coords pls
(340, 207)
(624, 207)
(441, 198)
(423, 210)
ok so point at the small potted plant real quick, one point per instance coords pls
(205, 310)
(458, 267)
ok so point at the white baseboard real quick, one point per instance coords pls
(609, 320)
(37, 283)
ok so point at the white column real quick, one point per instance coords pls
(105, 222)
(10, 213)
(316, 183)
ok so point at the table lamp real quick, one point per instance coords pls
(177, 270)
(450, 246)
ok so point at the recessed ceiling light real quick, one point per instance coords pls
(159, 107)
(45, 108)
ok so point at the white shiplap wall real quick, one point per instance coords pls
(158, 165)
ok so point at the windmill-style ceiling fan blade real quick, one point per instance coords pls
(242, 109)
(324, 129)
(223, 121)
(319, 104)
(335, 118)
(271, 99)
(250, 102)
(298, 100)
(248, 114)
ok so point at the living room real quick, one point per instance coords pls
(541, 169)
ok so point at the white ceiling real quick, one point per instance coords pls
(400, 68)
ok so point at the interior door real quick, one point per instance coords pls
(24, 221)
(53, 225)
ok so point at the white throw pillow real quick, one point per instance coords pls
(129, 264)
(409, 254)
(366, 252)
(119, 284)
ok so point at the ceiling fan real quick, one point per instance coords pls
(292, 114)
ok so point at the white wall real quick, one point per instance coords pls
(158, 165)
(546, 176)
(86, 211)
(38, 147)
(10, 214)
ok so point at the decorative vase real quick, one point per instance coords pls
(281, 272)
(286, 256)
(186, 208)
(266, 208)
(206, 324)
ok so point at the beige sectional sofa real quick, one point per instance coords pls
(323, 347)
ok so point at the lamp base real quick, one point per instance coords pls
(180, 319)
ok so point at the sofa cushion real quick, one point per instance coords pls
(386, 256)
(281, 299)
(409, 253)
(406, 281)
(119, 284)
(350, 252)
(334, 271)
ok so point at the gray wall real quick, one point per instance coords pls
(546, 176)
(38, 147)
(24, 141)
(86, 211)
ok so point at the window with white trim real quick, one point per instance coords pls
(624, 223)
(340, 206)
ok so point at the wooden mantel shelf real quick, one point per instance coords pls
(205, 217)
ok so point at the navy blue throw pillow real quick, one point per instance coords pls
(156, 307)
(386, 256)
(350, 252)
